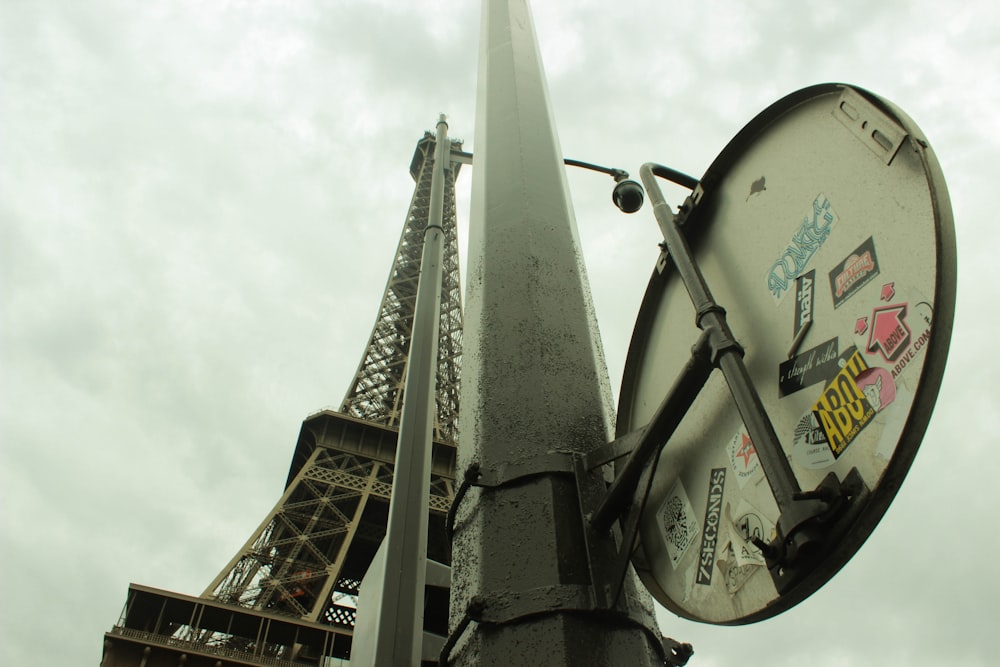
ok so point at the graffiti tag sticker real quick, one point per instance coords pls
(816, 226)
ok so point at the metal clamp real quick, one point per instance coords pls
(469, 479)
(507, 474)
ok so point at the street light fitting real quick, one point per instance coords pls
(628, 195)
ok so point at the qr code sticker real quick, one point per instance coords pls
(679, 523)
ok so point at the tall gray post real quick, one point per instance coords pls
(399, 612)
(534, 385)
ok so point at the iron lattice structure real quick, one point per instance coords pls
(289, 595)
(310, 553)
(376, 394)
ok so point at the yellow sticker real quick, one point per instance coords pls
(842, 410)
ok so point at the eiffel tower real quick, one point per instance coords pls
(288, 597)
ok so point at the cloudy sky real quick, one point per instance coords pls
(199, 205)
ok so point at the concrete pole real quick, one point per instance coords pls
(534, 381)
(399, 633)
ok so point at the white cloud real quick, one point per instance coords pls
(200, 202)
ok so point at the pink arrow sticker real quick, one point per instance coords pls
(888, 291)
(861, 326)
(889, 332)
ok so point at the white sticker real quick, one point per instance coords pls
(680, 526)
(748, 524)
(810, 448)
(735, 574)
(895, 420)
(743, 457)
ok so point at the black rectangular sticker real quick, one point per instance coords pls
(805, 286)
(817, 364)
(710, 529)
(857, 270)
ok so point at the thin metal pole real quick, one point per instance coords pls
(400, 623)
(656, 434)
(712, 318)
(534, 382)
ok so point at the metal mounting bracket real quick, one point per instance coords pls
(806, 536)
(507, 608)
(507, 474)
(604, 561)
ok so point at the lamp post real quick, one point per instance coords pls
(528, 584)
